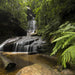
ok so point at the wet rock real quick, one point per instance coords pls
(28, 44)
(37, 69)
(67, 72)
(7, 44)
(22, 44)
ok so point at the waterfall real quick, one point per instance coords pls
(24, 44)
(27, 44)
(8, 41)
(32, 25)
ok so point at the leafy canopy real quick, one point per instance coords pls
(17, 8)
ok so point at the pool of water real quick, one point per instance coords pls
(23, 60)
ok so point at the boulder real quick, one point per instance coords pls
(37, 69)
(67, 72)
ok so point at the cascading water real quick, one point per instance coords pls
(27, 44)
(32, 25)
(8, 41)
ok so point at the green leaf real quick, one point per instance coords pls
(62, 37)
(68, 55)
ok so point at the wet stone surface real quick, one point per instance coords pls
(23, 44)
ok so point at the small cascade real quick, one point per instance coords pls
(7, 42)
(27, 44)
(32, 25)
(23, 44)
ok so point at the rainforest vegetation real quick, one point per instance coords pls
(55, 22)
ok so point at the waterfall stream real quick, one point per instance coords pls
(32, 25)
(27, 44)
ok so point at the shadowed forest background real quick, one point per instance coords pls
(55, 24)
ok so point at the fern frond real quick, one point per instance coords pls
(62, 37)
(67, 42)
(69, 32)
(68, 55)
(57, 47)
(63, 25)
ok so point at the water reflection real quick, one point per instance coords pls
(23, 60)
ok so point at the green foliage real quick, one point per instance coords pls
(65, 43)
(17, 9)
(51, 17)
(68, 55)
(56, 18)
(52, 13)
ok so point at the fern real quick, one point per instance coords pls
(57, 47)
(65, 43)
(68, 55)
(63, 37)
(68, 41)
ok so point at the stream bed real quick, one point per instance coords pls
(23, 60)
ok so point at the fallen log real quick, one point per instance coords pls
(8, 64)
